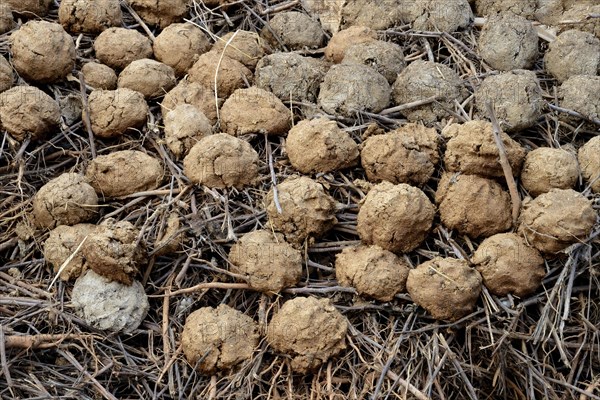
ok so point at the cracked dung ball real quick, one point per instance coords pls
(193, 93)
(26, 110)
(508, 265)
(221, 161)
(7, 22)
(80, 16)
(373, 271)
(307, 210)
(422, 80)
(472, 205)
(179, 46)
(62, 242)
(124, 172)
(114, 251)
(340, 41)
(109, 305)
(267, 262)
(65, 200)
(447, 288)
(555, 220)
(471, 149)
(218, 339)
(437, 15)
(185, 126)
(244, 46)
(6, 75)
(573, 53)
(395, 217)
(546, 168)
(580, 93)
(42, 52)
(29, 8)
(508, 42)
(232, 74)
(319, 145)
(99, 76)
(114, 112)
(385, 57)
(149, 77)
(254, 110)
(118, 47)
(294, 30)
(516, 99)
(524, 8)
(309, 330)
(161, 13)
(408, 154)
(589, 162)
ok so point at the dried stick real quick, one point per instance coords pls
(86, 115)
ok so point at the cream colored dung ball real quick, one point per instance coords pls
(295, 30)
(161, 13)
(231, 75)
(340, 41)
(179, 46)
(546, 168)
(589, 162)
(243, 46)
(80, 16)
(6, 75)
(193, 93)
(573, 53)
(99, 76)
(62, 245)
(185, 126)
(118, 47)
(149, 77)
(113, 112)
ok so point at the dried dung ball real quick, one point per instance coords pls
(65, 200)
(385, 57)
(114, 251)
(99, 76)
(171, 238)
(218, 338)
(319, 145)
(113, 112)
(508, 42)
(220, 161)
(42, 52)
(7, 77)
(555, 220)
(573, 53)
(244, 46)
(581, 93)
(118, 47)
(340, 41)
(291, 76)
(471, 149)
(515, 96)
(472, 205)
(109, 306)
(161, 13)
(7, 22)
(179, 46)
(580, 13)
(408, 154)
(29, 8)
(185, 126)
(546, 168)
(508, 265)
(310, 330)
(395, 217)
(589, 162)
(294, 30)
(379, 15)
(524, 8)
(267, 262)
(80, 16)
(193, 93)
(254, 110)
(124, 172)
(307, 210)
(437, 15)
(61, 244)
(232, 74)
(26, 110)
(373, 271)
(149, 77)
(447, 288)
(421, 80)
(351, 88)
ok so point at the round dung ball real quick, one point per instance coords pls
(231, 75)
(113, 112)
(524, 8)
(193, 93)
(80, 16)
(26, 110)
(118, 47)
(179, 46)
(340, 41)
(589, 162)
(7, 77)
(294, 30)
(437, 15)
(573, 53)
(385, 57)
(149, 77)
(243, 46)
(61, 244)
(29, 8)
(581, 93)
(99, 76)
(546, 168)
(185, 126)
(161, 13)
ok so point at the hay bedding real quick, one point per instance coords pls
(543, 345)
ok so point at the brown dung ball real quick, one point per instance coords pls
(80, 16)
(99, 76)
(508, 265)
(244, 46)
(193, 93)
(373, 271)
(307, 210)
(437, 15)
(395, 217)
(589, 162)
(546, 168)
(408, 154)
(171, 238)
(180, 45)
(581, 93)
(447, 288)
(161, 13)
(471, 149)
(221, 161)
(42, 52)
(508, 42)
(149, 77)
(524, 8)
(232, 74)
(65, 200)
(340, 41)
(113, 112)
(379, 15)
(254, 110)
(118, 47)
(7, 77)
(124, 172)
(319, 145)
(218, 339)
(26, 110)
(573, 53)
(310, 330)
(266, 261)
(555, 220)
(579, 13)
(385, 57)
(294, 30)
(29, 8)
(421, 80)
(472, 205)
(7, 22)
(185, 126)
(61, 244)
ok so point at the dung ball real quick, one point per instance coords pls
(589, 162)
(243, 46)
(99, 76)
(294, 30)
(231, 75)
(113, 112)
(119, 47)
(26, 110)
(78, 16)
(387, 58)
(185, 126)
(61, 244)
(546, 168)
(149, 77)
(179, 45)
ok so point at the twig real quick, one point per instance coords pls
(207, 285)
(408, 106)
(574, 113)
(105, 393)
(86, 115)
(273, 176)
(217, 72)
